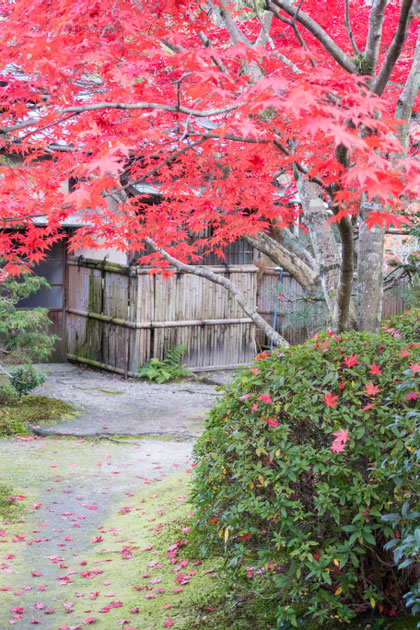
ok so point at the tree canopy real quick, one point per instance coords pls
(229, 110)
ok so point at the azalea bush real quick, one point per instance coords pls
(292, 477)
(403, 466)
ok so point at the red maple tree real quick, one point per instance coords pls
(230, 112)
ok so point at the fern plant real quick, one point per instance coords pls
(170, 369)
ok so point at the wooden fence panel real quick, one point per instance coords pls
(394, 302)
(120, 317)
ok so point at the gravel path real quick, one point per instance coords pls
(110, 405)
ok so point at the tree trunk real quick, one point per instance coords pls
(322, 238)
(369, 272)
(342, 310)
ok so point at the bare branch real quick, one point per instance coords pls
(300, 39)
(288, 63)
(349, 29)
(205, 272)
(38, 129)
(24, 218)
(406, 15)
(265, 36)
(296, 12)
(317, 31)
(167, 108)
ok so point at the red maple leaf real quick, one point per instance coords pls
(265, 398)
(366, 407)
(330, 400)
(374, 369)
(371, 389)
(351, 360)
(405, 353)
(271, 422)
(415, 368)
(412, 396)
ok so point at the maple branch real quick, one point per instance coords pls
(296, 12)
(406, 15)
(300, 39)
(405, 102)
(170, 159)
(349, 29)
(80, 109)
(205, 272)
(232, 28)
(301, 168)
(376, 21)
(38, 129)
(207, 43)
(174, 47)
(265, 32)
(24, 218)
(321, 35)
(230, 136)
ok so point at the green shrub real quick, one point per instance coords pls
(8, 395)
(170, 369)
(290, 481)
(24, 378)
(403, 466)
(24, 333)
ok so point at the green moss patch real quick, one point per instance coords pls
(11, 507)
(31, 410)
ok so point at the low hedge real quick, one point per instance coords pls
(297, 467)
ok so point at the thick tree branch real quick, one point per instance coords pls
(405, 103)
(307, 277)
(232, 28)
(376, 21)
(265, 23)
(317, 31)
(284, 236)
(205, 272)
(394, 51)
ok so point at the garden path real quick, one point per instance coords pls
(51, 565)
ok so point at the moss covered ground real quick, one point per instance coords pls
(32, 410)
